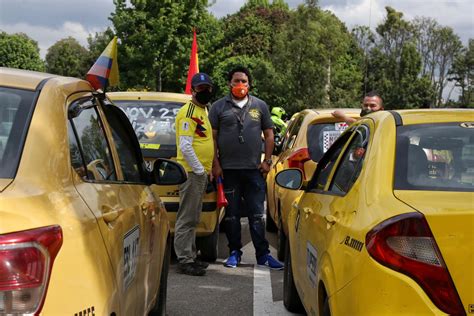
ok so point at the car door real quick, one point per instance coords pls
(153, 226)
(287, 144)
(327, 237)
(309, 207)
(99, 183)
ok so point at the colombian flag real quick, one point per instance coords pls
(104, 72)
(193, 64)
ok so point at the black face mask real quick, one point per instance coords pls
(364, 112)
(204, 97)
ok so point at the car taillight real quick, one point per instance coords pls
(26, 259)
(298, 158)
(405, 243)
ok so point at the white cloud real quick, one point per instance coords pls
(457, 14)
(47, 36)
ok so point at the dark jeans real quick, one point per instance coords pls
(249, 185)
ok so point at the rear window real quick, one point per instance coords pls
(154, 125)
(16, 107)
(321, 136)
(437, 157)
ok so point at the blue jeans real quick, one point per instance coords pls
(248, 184)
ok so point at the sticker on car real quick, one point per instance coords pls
(131, 243)
(149, 146)
(311, 263)
(341, 126)
(329, 137)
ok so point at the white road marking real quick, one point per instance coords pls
(263, 303)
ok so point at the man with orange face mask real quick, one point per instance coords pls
(237, 122)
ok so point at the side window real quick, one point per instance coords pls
(352, 162)
(129, 162)
(327, 163)
(90, 152)
(293, 133)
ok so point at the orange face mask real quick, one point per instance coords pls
(240, 90)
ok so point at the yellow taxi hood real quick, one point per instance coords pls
(450, 216)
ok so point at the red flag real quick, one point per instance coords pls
(193, 64)
(221, 200)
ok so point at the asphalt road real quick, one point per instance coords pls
(245, 290)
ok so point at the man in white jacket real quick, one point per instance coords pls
(195, 149)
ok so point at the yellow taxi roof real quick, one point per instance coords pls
(425, 116)
(149, 96)
(23, 79)
(29, 80)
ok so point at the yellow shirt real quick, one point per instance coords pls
(192, 120)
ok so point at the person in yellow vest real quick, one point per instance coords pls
(195, 148)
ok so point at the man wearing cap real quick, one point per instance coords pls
(195, 153)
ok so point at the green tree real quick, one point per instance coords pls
(395, 65)
(252, 30)
(67, 58)
(438, 47)
(19, 51)
(155, 40)
(311, 52)
(462, 74)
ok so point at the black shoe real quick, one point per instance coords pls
(190, 269)
(201, 264)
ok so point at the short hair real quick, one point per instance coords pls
(372, 94)
(239, 69)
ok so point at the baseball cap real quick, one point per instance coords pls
(201, 78)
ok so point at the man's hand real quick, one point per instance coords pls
(339, 115)
(217, 171)
(264, 168)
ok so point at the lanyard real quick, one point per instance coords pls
(241, 115)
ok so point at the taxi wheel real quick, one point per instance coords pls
(291, 299)
(281, 247)
(326, 310)
(208, 246)
(270, 224)
(159, 309)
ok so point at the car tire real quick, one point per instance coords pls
(326, 309)
(291, 298)
(159, 309)
(270, 224)
(208, 245)
(281, 247)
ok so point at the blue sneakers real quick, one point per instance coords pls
(269, 261)
(233, 260)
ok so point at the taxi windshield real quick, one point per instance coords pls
(16, 106)
(154, 125)
(437, 157)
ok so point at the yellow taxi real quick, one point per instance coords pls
(309, 135)
(81, 232)
(384, 226)
(152, 115)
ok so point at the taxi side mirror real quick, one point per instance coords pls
(168, 172)
(291, 179)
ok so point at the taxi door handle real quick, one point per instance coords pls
(308, 210)
(144, 208)
(331, 219)
(110, 214)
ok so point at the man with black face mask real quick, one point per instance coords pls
(372, 103)
(195, 153)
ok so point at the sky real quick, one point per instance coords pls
(47, 21)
